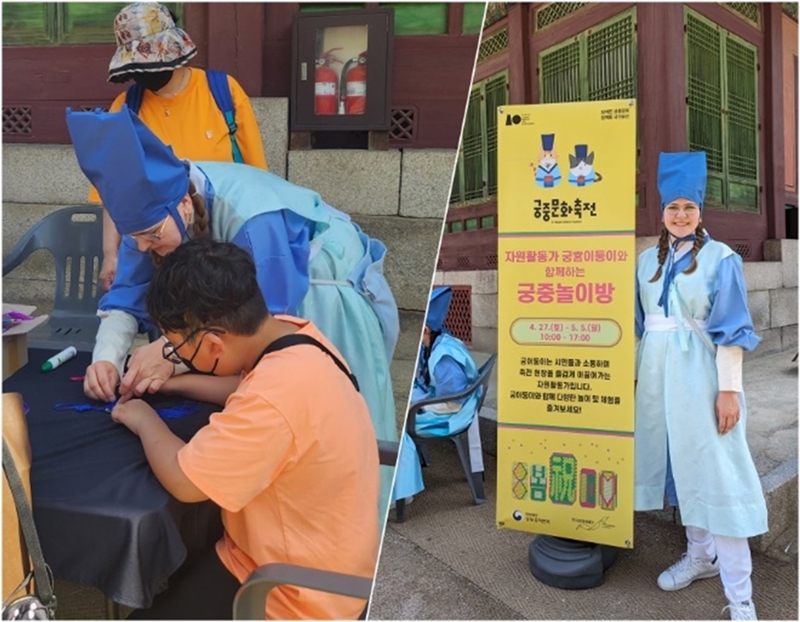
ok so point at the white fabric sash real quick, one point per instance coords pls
(659, 323)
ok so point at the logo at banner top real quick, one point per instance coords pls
(513, 119)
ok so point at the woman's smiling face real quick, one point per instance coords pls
(681, 217)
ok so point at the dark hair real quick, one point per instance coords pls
(663, 247)
(205, 283)
(200, 224)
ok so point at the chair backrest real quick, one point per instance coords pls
(250, 598)
(484, 375)
(74, 236)
(481, 384)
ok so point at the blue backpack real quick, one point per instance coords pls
(218, 83)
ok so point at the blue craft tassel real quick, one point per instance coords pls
(179, 410)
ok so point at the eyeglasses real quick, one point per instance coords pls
(152, 235)
(170, 351)
(686, 209)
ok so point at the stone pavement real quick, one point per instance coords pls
(448, 561)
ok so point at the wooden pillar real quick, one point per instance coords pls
(661, 68)
(235, 40)
(455, 19)
(276, 50)
(773, 169)
(518, 53)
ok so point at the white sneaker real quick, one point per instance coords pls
(684, 572)
(742, 611)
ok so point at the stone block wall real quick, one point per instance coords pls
(397, 196)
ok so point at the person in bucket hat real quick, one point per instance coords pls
(175, 101)
(311, 260)
(693, 326)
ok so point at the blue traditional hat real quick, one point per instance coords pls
(547, 141)
(581, 151)
(437, 308)
(138, 177)
(682, 175)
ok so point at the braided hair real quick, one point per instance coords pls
(663, 249)
(199, 222)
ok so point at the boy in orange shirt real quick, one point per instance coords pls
(292, 458)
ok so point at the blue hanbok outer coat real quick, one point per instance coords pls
(715, 480)
(311, 261)
(451, 371)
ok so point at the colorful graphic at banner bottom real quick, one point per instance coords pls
(566, 261)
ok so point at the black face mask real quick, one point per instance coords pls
(153, 81)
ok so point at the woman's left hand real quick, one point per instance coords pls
(147, 370)
(727, 409)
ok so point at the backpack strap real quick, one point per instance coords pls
(295, 340)
(133, 97)
(220, 89)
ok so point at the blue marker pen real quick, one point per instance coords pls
(62, 357)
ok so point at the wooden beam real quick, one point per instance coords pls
(249, 38)
(276, 50)
(455, 19)
(518, 80)
(661, 101)
(772, 132)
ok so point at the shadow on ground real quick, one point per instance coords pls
(448, 561)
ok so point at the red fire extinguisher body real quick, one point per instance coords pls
(355, 95)
(325, 96)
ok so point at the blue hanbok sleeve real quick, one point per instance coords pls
(419, 392)
(729, 322)
(135, 269)
(450, 377)
(279, 244)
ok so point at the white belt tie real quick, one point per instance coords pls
(659, 323)
(330, 282)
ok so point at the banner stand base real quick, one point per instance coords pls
(569, 564)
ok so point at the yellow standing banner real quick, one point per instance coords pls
(566, 266)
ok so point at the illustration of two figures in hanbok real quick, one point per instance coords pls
(581, 165)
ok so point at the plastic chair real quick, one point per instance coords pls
(250, 600)
(74, 236)
(460, 439)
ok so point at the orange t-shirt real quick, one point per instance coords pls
(292, 461)
(194, 126)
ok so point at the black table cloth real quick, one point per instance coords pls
(102, 516)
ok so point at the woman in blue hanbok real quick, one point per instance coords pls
(311, 260)
(444, 367)
(693, 323)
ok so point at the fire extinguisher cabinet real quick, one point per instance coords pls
(342, 70)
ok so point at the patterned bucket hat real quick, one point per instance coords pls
(147, 41)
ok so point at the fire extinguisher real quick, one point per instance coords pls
(354, 87)
(325, 84)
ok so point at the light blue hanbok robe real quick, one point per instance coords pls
(311, 261)
(715, 481)
(452, 370)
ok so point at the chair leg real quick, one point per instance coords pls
(475, 480)
(424, 454)
(400, 511)
(112, 610)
